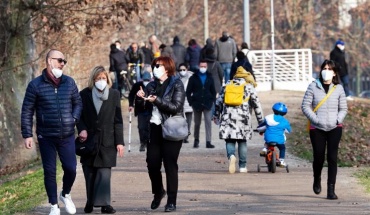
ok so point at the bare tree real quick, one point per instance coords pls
(28, 28)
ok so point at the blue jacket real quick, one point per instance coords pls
(57, 109)
(276, 126)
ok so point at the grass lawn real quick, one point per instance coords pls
(25, 193)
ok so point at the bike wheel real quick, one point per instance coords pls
(273, 162)
(126, 89)
(268, 160)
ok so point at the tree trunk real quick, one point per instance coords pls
(18, 47)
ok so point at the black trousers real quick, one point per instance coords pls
(321, 140)
(158, 150)
(143, 121)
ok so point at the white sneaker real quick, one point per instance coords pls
(232, 161)
(243, 170)
(282, 163)
(67, 200)
(54, 210)
(349, 98)
(263, 152)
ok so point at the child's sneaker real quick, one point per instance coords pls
(232, 161)
(243, 170)
(263, 152)
(282, 163)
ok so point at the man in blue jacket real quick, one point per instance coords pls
(55, 99)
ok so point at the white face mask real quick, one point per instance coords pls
(146, 83)
(327, 75)
(203, 70)
(101, 84)
(341, 47)
(183, 73)
(158, 72)
(56, 72)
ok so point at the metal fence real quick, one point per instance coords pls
(292, 68)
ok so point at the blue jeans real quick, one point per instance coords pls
(138, 73)
(49, 147)
(281, 148)
(115, 80)
(226, 67)
(242, 150)
(345, 81)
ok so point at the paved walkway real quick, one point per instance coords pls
(206, 187)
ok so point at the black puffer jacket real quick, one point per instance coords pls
(57, 109)
(172, 101)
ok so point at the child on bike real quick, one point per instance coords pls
(275, 126)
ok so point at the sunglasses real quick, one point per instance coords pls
(60, 60)
(158, 65)
(181, 70)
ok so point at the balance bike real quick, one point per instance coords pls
(271, 159)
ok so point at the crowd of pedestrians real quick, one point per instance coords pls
(169, 80)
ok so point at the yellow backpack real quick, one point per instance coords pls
(234, 94)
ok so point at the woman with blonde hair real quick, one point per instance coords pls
(100, 124)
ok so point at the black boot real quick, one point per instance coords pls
(317, 185)
(196, 143)
(209, 145)
(142, 147)
(331, 194)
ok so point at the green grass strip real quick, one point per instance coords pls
(25, 193)
(364, 178)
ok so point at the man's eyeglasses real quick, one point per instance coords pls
(158, 65)
(60, 60)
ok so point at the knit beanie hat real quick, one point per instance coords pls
(339, 42)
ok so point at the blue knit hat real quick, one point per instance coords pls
(146, 76)
(339, 42)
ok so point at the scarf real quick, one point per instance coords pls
(99, 97)
(55, 81)
(248, 77)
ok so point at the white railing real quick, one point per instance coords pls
(293, 69)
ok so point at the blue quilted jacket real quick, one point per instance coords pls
(57, 109)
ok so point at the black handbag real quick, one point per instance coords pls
(175, 128)
(86, 148)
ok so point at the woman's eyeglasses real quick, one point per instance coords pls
(158, 65)
(60, 60)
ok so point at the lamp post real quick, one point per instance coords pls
(206, 34)
(272, 46)
(246, 23)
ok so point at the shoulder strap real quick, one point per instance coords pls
(324, 99)
(213, 65)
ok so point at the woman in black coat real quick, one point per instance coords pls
(167, 95)
(100, 124)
